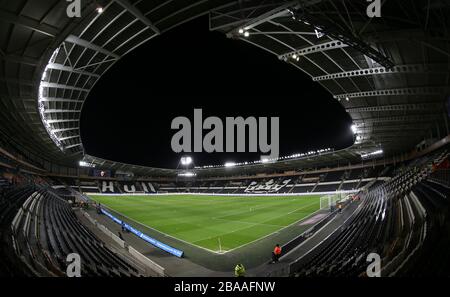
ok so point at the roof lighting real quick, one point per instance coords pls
(187, 174)
(86, 164)
(185, 161)
(266, 159)
(41, 102)
(372, 154)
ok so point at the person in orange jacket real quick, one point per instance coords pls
(276, 254)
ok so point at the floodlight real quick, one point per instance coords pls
(375, 153)
(230, 164)
(99, 10)
(186, 161)
(241, 31)
(187, 174)
(265, 160)
(246, 34)
(86, 164)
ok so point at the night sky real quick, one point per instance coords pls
(127, 116)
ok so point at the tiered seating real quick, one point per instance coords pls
(355, 174)
(391, 221)
(326, 188)
(10, 202)
(46, 230)
(334, 176)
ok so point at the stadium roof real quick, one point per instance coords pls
(390, 73)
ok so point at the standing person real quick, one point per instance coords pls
(276, 254)
(239, 270)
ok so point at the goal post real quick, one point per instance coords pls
(330, 200)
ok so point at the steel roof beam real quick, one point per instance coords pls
(18, 81)
(53, 99)
(136, 13)
(413, 68)
(318, 48)
(61, 111)
(70, 69)
(87, 44)
(398, 119)
(20, 60)
(270, 15)
(28, 23)
(61, 86)
(398, 107)
(72, 146)
(68, 137)
(64, 130)
(61, 121)
(395, 92)
(389, 129)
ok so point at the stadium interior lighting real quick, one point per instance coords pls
(185, 161)
(246, 34)
(241, 31)
(347, 99)
(187, 174)
(86, 164)
(267, 160)
(372, 154)
(99, 10)
(41, 102)
(354, 129)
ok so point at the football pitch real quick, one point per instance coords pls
(215, 223)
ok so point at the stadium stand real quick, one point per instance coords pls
(391, 78)
(397, 217)
(393, 220)
(41, 229)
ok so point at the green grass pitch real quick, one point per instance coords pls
(216, 223)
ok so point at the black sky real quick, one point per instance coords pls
(127, 116)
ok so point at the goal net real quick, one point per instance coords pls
(331, 200)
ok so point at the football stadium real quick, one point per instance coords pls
(324, 154)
